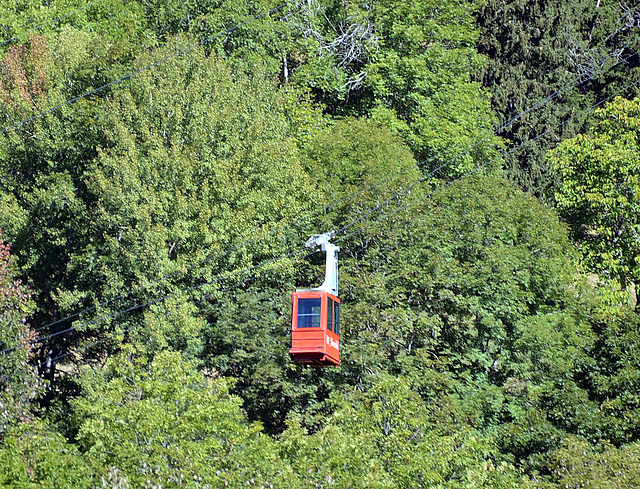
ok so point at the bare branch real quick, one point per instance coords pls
(588, 60)
(350, 41)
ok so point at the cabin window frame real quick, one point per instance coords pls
(307, 321)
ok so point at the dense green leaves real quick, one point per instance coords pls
(421, 82)
(546, 62)
(167, 424)
(165, 214)
(387, 437)
(599, 190)
(19, 384)
(35, 455)
(466, 272)
(578, 465)
(188, 161)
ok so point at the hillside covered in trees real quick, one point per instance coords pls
(162, 164)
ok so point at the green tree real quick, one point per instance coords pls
(247, 335)
(471, 293)
(165, 423)
(19, 384)
(408, 66)
(19, 17)
(165, 179)
(457, 273)
(255, 40)
(612, 378)
(598, 194)
(34, 455)
(210, 165)
(358, 164)
(535, 48)
(420, 82)
(106, 28)
(386, 437)
(577, 465)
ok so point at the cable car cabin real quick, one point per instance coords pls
(315, 328)
(315, 323)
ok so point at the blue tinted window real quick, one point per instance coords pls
(309, 313)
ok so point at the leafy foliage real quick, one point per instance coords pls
(165, 215)
(420, 81)
(585, 51)
(164, 423)
(34, 454)
(391, 429)
(153, 193)
(19, 385)
(599, 190)
(458, 276)
(578, 465)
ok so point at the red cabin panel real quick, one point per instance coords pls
(315, 328)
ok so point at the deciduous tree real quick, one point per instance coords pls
(19, 385)
(599, 194)
(165, 423)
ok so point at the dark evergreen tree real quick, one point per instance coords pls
(585, 49)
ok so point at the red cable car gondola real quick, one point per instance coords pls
(315, 323)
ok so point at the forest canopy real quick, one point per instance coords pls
(162, 165)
